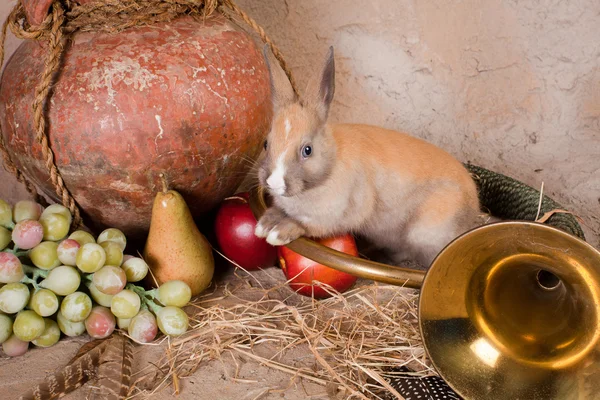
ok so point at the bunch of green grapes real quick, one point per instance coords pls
(53, 283)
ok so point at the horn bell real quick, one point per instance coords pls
(511, 310)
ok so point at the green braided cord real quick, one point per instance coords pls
(507, 198)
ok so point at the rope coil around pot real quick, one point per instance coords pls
(504, 197)
(9, 165)
(67, 17)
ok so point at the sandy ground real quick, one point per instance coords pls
(215, 380)
(212, 381)
(232, 377)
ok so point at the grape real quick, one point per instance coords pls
(11, 270)
(56, 226)
(114, 254)
(67, 252)
(5, 237)
(44, 302)
(76, 307)
(98, 296)
(45, 256)
(6, 324)
(13, 297)
(123, 323)
(90, 257)
(50, 336)
(143, 328)
(135, 268)
(174, 293)
(28, 325)
(113, 235)
(82, 237)
(110, 279)
(15, 347)
(125, 304)
(58, 209)
(172, 320)
(62, 280)
(69, 328)
(5, 214)
(27, 234)
(27, 209)
(100, 323)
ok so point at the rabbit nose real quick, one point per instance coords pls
(276, 181)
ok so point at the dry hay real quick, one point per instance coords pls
(350, 340)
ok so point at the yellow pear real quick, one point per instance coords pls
(175, 248)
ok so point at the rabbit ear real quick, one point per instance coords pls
(321, 89)
(282, 93)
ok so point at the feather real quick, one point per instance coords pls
(114, 372)
(413, 387)
(76, 373)
(108, 361)
(85, 348)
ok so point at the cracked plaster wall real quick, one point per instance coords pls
(513, 86)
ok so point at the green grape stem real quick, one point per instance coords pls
(147, 297)
(31, 281)
(35, 272)
(16, 252)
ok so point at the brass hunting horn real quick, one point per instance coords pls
(508, 310)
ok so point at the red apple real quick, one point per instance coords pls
(301, 271)
(234, 231)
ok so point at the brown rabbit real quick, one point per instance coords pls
(402, 194)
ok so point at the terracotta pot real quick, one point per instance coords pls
(187, 98)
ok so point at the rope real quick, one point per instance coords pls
(261, 32)
(9, 165)
(12, 168)
(51, 64)
(113, 16)
(504, 197)
(507, 198)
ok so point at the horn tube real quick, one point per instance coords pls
(507, 310)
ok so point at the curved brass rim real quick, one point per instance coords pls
(570, 368)
(356, 266)
(433, 281)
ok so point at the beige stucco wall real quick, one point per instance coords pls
(510, 85)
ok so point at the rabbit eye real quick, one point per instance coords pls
(306, 151)
(265, 144)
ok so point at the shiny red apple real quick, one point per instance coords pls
(301, 271)
(234, 231)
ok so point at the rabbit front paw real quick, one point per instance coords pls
(268, 221)
(284, 232)
(278, 228)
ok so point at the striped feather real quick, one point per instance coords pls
(114, 372)
(76, 373)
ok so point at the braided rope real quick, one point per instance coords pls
(504, 197)
(111, 16)
(507, 198)
(51, 64)
(261, 32)
(9, 165)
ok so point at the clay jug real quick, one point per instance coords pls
(189, 98)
